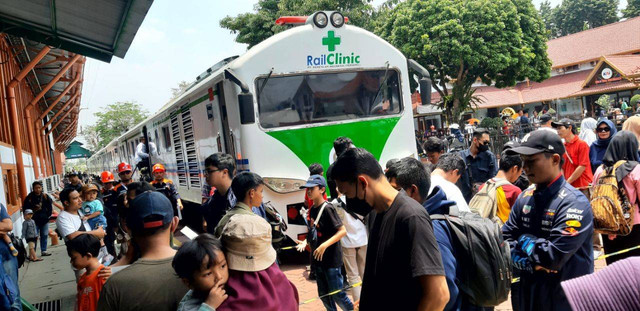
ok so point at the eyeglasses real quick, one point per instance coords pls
(603, 129)
(207, 171)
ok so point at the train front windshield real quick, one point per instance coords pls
(327, 97)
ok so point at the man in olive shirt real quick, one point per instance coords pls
(150, 283)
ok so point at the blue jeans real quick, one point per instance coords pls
(44, 234)
(10, 267)
(329, 280)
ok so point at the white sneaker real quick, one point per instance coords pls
(596, 254)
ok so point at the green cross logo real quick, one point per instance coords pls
(331, 41)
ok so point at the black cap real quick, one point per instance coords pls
(566, 122)
(545, 118)
(539, 141)
(149, 210)
(510, 145)
(480, 130)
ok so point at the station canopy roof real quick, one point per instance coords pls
(76, 151)
(98, 29)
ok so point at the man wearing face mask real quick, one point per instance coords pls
(481, 164)
(403, 259)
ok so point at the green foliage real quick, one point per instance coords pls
(548, 18)
(253, 28)
(176, 91)
(634, 100)
(116, 119)
(577, 15)
(604, 101)
(632, 9)
(491, 123)
(499, 42)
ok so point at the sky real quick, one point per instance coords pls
(177, 41)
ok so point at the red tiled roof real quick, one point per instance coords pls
(606, 88)
(617, 38)
(561, 86)
(557, 87)
(628, 65)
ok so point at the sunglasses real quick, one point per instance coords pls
(207, 171)
(603, 129)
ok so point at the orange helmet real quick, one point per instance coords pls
(106, 177)
(123, 167)
(158, 168)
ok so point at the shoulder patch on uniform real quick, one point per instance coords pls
(570, 231)
(526, 209)
(573, 223)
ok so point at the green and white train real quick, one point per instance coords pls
(279, 107)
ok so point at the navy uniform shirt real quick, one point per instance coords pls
(560, 217)
(479, 170)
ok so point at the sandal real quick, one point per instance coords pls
(37, 259)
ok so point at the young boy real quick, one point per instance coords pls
(92, 208)
(327, 253)
(83, 251)
(202, 266)
(29, 233)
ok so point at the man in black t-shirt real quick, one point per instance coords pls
(403, 268)
(325, 234)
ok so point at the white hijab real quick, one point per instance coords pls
(587, 130)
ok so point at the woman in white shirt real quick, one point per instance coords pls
(354, 246)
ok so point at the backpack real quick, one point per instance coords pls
(22, 251)
(486, 201)
(612, 212)
(278, 227)
(484, 257)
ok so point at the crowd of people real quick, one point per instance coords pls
(396, 235)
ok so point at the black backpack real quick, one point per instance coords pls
(484, 257)
(19, 245)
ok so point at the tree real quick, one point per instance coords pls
(577, 15)
(116, 119)
(604, 101)
(253, 28)
(548, 18)
(499, 42)
(632, 9)
(92, 138)
(176, 91)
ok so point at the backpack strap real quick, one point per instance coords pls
(315, 221)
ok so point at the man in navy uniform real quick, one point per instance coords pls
(549, 229)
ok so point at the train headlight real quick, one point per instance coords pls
(283, 185)
(320, 20)
(337, 19)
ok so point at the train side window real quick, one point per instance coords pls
(166, 136)
(157, 141)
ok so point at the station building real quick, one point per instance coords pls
(585, 66)
(43, 50)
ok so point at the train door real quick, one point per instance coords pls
(225, 136)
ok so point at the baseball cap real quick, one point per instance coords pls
(510, 145)
(545, 118)
(149, 210)
(247, 242)
(72, 173)
(566, 122)
(28, 211)
(89, 187)
(539, 141)
(314, 180)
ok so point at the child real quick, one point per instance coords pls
(327, 252)
(202, 266)
(29, 233)
(84, 250)
(94, 214)
(92, 208)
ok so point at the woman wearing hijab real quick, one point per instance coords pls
(605, 131)
(588, 131)
(624, 146)
(632, 124)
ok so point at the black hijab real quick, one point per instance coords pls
(623, 146)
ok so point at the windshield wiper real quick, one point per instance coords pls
(380, 86)
(264, 83)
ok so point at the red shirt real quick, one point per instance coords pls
(578, 152)
(89, 288)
